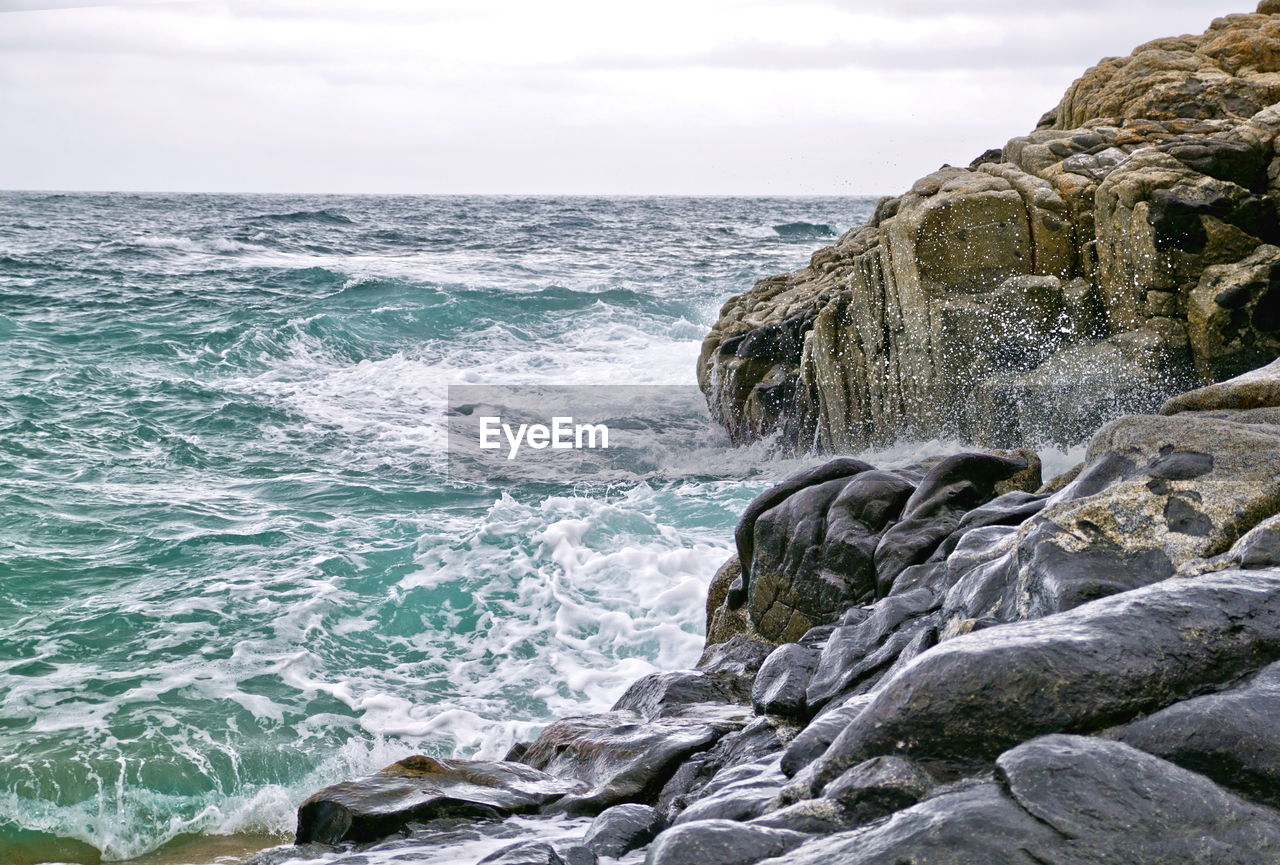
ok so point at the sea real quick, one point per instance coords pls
(234, 566)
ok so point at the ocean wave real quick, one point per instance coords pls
(322, 217)
(803, 230)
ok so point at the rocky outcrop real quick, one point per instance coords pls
(1123, 251)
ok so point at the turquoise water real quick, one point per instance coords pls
(232, 568)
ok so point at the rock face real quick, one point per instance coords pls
(1126, 249)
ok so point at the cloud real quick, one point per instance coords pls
(554, 96)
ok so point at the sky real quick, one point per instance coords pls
(806, 97)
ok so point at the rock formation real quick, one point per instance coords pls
(953, 662)
(1123, 251)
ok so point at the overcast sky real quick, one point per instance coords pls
(539, 96)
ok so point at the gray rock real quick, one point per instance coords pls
(421, 788)
(755, 744)
(622, 758)
(813, 741)
(1111, 803)
(853, 651)
(720, 842)
(977, 824)
(813, 552)
(1232, 736)
(736, 793)
(780, 685)
(880, 786)
(953, 487)
(618, 830)
(524, 853)
(1103, 662)
(662, 694)
(812, 817)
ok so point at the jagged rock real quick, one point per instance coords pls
(1231, 736)
(618, 830)
(1119, 253)
(621, 757)
(421, 788)
(720, 842)
(524, 853)
(1095, 665)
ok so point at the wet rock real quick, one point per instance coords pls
(421, 788)
(660, 694)
(779, 688)
(1066, 800)
(812, 816)
(1104, 662)
(618, 830)
(757, 743)
(955, 486)
(879, 786)
(720, 842)
(854, 651)
(1114, 803)
(975, 824)
(524, 853)
(1259, 388)
(813, 552)
(736, 793)
(738, 658)
(814, 740)
(1231, 736)
(621, 757)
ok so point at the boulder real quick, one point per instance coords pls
(780, 685)
(524, 853)
(618, 830)
(620, 757)
(1101, 663)
(1259, 388)
(720, 842)
(1065, 800)
(421, 788)
(1231, 736)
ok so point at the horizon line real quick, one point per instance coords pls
(53, 191)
